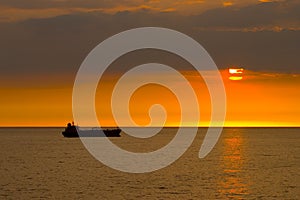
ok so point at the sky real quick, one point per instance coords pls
(43, 43)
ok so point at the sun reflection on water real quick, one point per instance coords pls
(233, 184)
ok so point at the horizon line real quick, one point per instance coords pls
(158, 127)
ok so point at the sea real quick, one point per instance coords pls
(246, 163)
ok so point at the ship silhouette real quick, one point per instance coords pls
(72, 131)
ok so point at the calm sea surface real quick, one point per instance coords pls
(247, 163)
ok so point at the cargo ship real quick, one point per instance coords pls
(72, 131)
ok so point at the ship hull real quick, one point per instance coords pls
(92, 133)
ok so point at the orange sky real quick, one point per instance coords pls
(43, 44)
(260, 99)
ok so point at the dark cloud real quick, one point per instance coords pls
(58, 45)
(284, 14)
(42, 4)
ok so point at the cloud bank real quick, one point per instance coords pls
(259, 37)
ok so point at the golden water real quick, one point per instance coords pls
(247, 163)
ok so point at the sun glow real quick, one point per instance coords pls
(253, 100)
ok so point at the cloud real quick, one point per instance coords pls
(227, 3)
(11, 14)
(268, 76)
(270, 16)
(34, 8)
(45, 4)
(58, 45)
(274, 16)
(265, 1)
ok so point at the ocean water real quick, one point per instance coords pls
(246, 163)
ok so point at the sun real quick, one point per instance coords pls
(235, 73)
